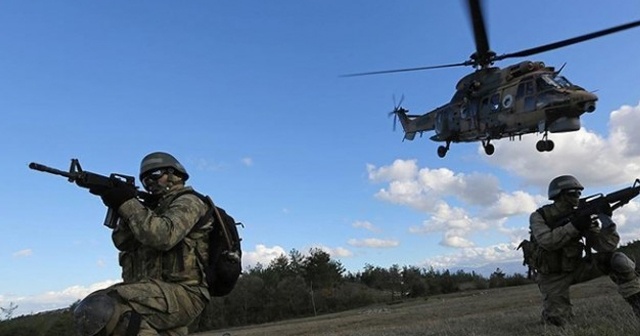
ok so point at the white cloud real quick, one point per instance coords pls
(456, 224)
(624, 129)
(400, 170)
(373, 243)
(334, 252)
(262, 254)
(207, 165)
(422, 189)
(513, 204)
(340, 252)
(476, 256)
(52, 299)
(247, 161)
(627, 219)
(23, 253)
(365, 225)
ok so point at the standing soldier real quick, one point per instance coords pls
(164, 287)
(559, 257)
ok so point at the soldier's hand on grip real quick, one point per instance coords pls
(582, 223)
(114, 197)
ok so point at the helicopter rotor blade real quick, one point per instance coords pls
(395, 117)
(466, 63)
(396, 108)
(479, 32)
(567, 42)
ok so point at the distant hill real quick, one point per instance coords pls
(508, 268)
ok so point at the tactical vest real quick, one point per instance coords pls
(180, 264)
(565, 259)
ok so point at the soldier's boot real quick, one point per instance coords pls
(623, 273)
(634, 301)
(558, 321)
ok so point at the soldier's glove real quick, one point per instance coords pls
(582, 223)
(605, 220)
(114, 197)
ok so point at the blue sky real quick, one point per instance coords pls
(247, 95)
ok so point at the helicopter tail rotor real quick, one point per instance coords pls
(397, 109)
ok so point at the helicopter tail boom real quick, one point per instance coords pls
(412, 124)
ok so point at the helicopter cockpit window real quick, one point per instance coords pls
(556, 81)
(495, 102)
(563, 81)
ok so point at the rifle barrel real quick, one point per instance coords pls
(46, 169)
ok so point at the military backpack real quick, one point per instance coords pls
(224, 263)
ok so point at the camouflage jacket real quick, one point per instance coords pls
(161, 243)
(561, 247)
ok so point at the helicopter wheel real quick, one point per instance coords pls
(549, 145)
(442, 151)
(489, 149)
(545, 145)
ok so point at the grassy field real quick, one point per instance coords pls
(511, 311)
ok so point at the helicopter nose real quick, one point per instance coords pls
(586, 101)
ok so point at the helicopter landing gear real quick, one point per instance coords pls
(489, 149)
(544, 145)
(442, 150)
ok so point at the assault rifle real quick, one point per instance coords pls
(91, 180)
(594, 204)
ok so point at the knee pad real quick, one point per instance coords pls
(621, 264)
(92, 314)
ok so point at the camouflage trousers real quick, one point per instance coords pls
(165, 309)
(554, 287)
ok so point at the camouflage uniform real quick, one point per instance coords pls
(160, 256)
(562, 264)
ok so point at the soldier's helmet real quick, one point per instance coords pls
(561, 183)
(161, 160)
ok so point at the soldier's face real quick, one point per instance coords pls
(572, 197)
(156, 182)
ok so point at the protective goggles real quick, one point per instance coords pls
(574, 192)
(153, 176)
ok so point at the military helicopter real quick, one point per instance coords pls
(493, 103)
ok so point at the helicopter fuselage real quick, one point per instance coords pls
(494, 103)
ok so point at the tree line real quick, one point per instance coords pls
(297, 285)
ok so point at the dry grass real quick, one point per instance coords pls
(512, 311)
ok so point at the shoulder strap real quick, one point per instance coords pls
(541, 212)
(207, 200)
(212, 211)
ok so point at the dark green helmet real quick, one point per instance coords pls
(561, 183)
(159, 160)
